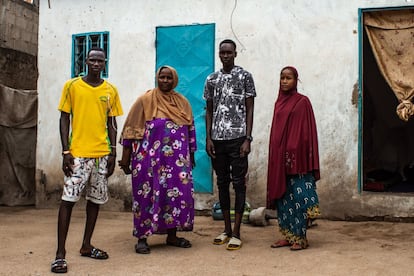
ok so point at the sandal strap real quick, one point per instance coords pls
(98, 252)
(59, 266)
(234, 244)
(222, 236)
(235, 241)
(59, 262)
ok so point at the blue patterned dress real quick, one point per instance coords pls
(299, 202)
(162, 184)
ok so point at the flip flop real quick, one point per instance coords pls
(221, 239)
(234, 244)
(95, 253)
(280, 243)
(179, 242)
(59, 266)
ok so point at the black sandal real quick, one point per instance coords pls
(59, 266)
(95, 253)
(142, 247)
(179, 242)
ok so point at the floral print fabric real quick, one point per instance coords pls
(162, 183)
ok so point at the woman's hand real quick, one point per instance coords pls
(192, 159)
(125, 162)
(124, 166)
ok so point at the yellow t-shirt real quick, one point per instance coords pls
(89, 108)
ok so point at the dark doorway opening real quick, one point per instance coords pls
(388, 142)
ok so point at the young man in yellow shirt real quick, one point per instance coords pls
(88, 107)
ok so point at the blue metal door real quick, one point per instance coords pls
(190, 50)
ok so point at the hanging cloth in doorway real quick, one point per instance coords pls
(391, 35)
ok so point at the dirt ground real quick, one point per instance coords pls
(28, 244)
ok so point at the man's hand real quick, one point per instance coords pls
(110, 165)
(245, 148)
(210, 148)
(67, 163)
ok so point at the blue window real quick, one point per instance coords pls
(81, 43)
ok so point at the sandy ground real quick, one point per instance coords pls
(28, 244)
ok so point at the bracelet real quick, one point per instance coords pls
(65, 152)
(113, 146)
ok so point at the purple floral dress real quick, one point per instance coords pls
(162, 183)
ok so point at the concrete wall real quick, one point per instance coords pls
(18, 70)
(19, 26)
(320, 38)
(18, 44)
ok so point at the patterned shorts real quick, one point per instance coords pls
(89, 173)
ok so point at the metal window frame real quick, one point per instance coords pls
(80, 50)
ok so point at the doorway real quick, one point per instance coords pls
(387, 141)
(190, 50)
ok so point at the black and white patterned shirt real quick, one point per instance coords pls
(229, 91)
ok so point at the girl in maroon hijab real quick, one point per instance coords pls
(293, 166)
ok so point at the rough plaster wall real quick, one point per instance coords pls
(320, 38)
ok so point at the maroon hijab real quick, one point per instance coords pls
(293, 146)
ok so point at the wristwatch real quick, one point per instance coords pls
(250, 138)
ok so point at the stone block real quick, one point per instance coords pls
(21, 22)
(18, 10)
(28, 14)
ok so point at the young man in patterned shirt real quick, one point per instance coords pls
(230, 94)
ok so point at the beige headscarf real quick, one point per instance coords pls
(172, 104)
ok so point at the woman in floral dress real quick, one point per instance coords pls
(159, 142)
